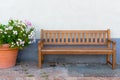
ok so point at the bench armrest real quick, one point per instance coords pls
(113, 43)
(40, 44)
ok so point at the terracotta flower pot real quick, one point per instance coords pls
(8, 57)
(5, 45)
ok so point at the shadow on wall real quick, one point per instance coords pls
(30, 53)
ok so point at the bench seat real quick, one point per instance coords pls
(75, 49)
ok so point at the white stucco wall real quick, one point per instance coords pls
(65, 14)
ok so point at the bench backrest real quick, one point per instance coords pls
(82, 37)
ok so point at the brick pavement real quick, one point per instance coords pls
(30, 71)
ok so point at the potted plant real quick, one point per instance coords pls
(14, 36)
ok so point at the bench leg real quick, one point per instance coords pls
(114, 60)
(40, 60)
(107, 58)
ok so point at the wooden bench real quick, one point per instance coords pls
(74, 39)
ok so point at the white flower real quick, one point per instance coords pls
(22, 29)
(22, 42)
(30, 36)
(5, 32)
(17, 43)
(1, 30)
(23, 24)
(19, 26)
(6, 29)
(24, 35)
(19, 40)
(15, 32)
(29, 42)
(12, 45)
(10, 28)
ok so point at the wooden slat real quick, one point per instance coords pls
(62, 37)
(100, 37)
(50, 38)
(77, 43)
(82, 37)
(75, 38)
(58, 34)
(87, 37)
(91, 37)
(71, 38)
(104, 37)
(96, 37)
(55, 31)
(66, 38)
(77, 51)
(46, 34)
(78, 37)
(54, 38)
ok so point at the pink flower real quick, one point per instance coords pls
(28, 23)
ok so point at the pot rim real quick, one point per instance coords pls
(5, 49)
